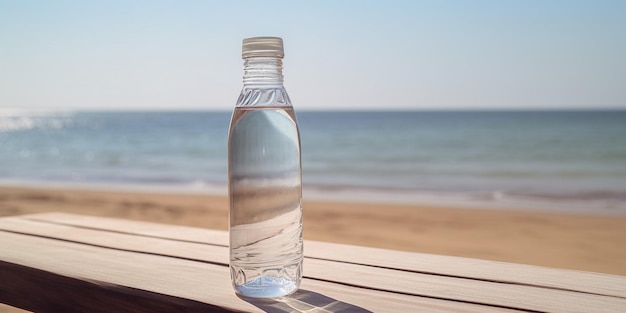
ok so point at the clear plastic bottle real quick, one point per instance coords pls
(264, 178)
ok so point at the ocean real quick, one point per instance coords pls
(549, 160)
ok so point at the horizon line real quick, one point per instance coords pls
(8, 111)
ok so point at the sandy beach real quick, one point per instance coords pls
(572, 241)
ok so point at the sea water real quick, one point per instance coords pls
(549, 160)
(265, 196)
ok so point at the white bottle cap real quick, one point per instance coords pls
(262, 47)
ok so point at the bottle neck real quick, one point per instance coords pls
(263, 72)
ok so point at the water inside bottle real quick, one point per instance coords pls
(265, 197)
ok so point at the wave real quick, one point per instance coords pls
(554, 159)
(587, 202)
(13, 120)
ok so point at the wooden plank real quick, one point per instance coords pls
(66, 273)
(467, 290)
(11, 309)
(586, 282)
(56, 293)
(341, 273)
(114, 267)
(216, 254)
(500, 272)
(182, 233)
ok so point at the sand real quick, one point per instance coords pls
(571, 241)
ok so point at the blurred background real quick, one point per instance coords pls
(482, 101)
(503, 106)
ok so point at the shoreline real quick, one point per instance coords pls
(574, 241)
(349, 194)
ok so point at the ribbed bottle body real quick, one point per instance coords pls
(265, 187)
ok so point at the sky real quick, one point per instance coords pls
(166, 55)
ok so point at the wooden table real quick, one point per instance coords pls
(59, 262)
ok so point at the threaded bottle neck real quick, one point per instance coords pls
(263, 71)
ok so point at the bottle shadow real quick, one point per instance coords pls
(303, 301)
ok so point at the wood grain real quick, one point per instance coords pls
(125, 264)
(585, 282)
(113, 271)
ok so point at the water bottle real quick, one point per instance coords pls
(264, 178)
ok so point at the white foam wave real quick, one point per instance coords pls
(12, 120)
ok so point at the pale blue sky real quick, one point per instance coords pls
(339, 54)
